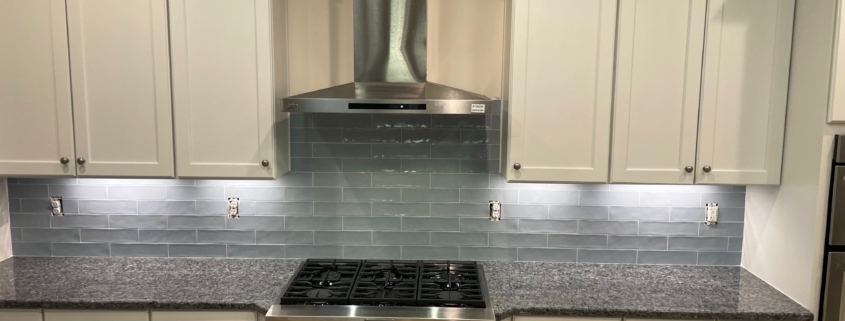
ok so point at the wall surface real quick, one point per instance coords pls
(5, 231)
(785, 224)
(381, 186)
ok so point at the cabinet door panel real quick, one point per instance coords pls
(20, 315)
(203, 316)
(658, 80)
(121, 87)
(89, 315)
(36, 129)
(743, 104)
(836, 109)
(561, 90)
(222, 88)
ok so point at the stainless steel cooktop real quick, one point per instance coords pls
(383, 290)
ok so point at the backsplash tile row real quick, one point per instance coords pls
(381, 186)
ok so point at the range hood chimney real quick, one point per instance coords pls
(390, 69)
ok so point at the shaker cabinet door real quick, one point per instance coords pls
(836, 100)
(561, 82)
(121, 87)
(223, 94)
(203, 316)
(658, 78)
(36, 126)
(20, 315)
(89, 315)
(744, 87)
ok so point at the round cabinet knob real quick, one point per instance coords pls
(707, 169)
(80, 161)
(265, 163)
(517, 166)
(688, 169)
(64, 160)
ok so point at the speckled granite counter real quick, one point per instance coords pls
(645, 291)
(680, 292)
(141, 283)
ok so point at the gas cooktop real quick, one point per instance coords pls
(384, 289)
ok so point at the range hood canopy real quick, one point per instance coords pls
(390, 69)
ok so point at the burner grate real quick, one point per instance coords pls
(322, 282)
(450, 284)
(386, 283)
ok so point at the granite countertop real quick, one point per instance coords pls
(516, 288)
(642, 291)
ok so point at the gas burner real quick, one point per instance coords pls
(330, 277)
(319, 293)
(446, 280)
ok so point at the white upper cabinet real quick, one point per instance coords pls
(560, 92)
(658, 78)
(121, 87)
(744, 87)
(223, 90)
(36, 126)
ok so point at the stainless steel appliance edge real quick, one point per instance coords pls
(279, 312)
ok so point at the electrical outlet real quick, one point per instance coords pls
(58, 206)
(495, 210)
(234, 207)
(711, 214)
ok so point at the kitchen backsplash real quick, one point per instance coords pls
(381, 186)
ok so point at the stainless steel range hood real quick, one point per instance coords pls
(390, 69)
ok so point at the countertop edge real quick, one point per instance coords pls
(500, 315)
(552, 312)
(135, 305)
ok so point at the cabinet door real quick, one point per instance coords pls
(121, 87)
(36, 129)
(836, 109)
(561, 90)
(203, 316)
(91, 315)
(222, 88)
(20, 315)
(743, 98)
(658, 78)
